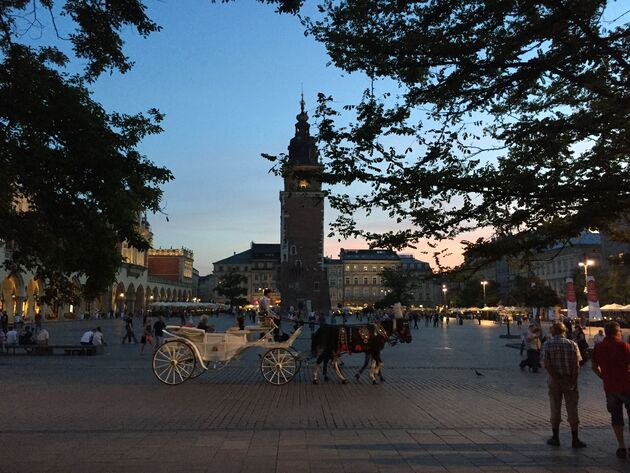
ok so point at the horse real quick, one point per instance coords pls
(331, 341)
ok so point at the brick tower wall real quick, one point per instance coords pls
(302, 275)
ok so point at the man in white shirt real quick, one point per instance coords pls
(598, 338)
(42, 337)
(86, 339)
(12, 337)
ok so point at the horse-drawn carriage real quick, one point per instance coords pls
(189, 352)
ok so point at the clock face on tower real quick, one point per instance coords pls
(302, 184)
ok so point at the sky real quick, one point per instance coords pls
(228, 77)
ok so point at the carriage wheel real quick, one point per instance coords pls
(278, 366)
(173, 362)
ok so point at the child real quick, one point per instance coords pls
(147, 337)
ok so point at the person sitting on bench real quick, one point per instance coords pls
(87, 337)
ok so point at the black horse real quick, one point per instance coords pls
(331, 341)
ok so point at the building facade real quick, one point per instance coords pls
(133, 290)
(355, 279)
(557, 263)
(259, 264)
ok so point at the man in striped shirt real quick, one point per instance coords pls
(561, 358)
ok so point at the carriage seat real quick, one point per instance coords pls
(195, 335)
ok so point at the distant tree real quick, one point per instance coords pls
(399, 286)
(514, 117)
(73, 184)
(231, 285)
(471, 294)
(532, 292)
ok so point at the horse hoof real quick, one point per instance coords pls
(325, 378)
(357, 376)
(314, 381)
(382, 380)
(344, 381)
(374, 381)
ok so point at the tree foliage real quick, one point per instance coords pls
(532, 292)
(73, 184)
(399, 286)
(471, 294)
(514, 116)
(232, 286)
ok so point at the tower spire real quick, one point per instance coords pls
(302, 126)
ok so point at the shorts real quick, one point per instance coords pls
(615, 403)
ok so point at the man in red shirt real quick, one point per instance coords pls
(611, 362)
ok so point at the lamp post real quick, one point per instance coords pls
(585, 264)
(483, 285)
(444, 291)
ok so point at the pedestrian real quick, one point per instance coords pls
(532, 343)
(561, 358)
(3, 341)
(204, 325)
(38, 321)
(86, 338)
(12, 337)
(26, 336)
(129, 334)
(4, 321)
(97, 337)
(147, 337)
(580, 339)
(415, 316)
(611, 362)
(158, 331)
(42, 336)
(598, 337)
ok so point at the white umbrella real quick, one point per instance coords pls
(612, 307)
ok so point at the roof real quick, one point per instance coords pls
(236, 258)
(265, 251)
(332, 261)
(258, 251)
(584, 239)
(374, 254)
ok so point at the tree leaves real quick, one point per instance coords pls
(73, 185)
(518, 114)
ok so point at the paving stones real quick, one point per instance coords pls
(433, 414)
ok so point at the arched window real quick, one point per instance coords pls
(293, 250)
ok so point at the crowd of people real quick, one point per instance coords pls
(20, 334)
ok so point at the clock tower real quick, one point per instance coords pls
(303, 283)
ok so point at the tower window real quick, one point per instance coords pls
(293, 250)
(316, 286)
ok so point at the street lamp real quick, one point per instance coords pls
(585, 264)
(444, 291)
(483, 285)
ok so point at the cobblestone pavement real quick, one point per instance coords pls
(433, 413)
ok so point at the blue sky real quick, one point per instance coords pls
(228, 77)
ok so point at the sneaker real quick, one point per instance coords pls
(578, 444)
(554, 442)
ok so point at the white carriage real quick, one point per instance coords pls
(188, 352)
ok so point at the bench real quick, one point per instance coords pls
(87, 350)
